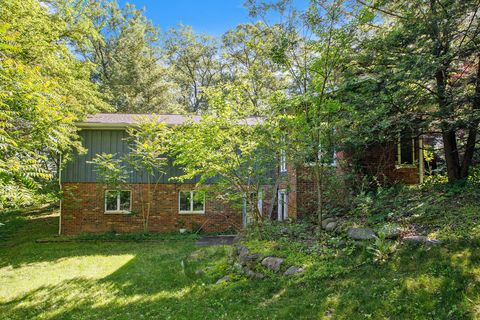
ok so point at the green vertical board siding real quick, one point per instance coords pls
(107, 141)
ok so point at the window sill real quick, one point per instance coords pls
(191, 212)
(117, 212)
(405, 166)
(327, 165)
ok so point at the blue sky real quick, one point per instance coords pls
(207, 16)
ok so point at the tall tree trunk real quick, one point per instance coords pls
(318, 182)
(448, 133)
(473, 129)
(440, 50)
(451, 154)
(273, 197)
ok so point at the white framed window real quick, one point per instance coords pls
(282, 205)
(260, 201)
(329, 155)
(245, 211)
(118, 201)
(406, 149)
(283, 156)
(283, 161)
(191, 202)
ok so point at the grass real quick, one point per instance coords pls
(157, 280)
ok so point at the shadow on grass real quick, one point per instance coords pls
(150, 281)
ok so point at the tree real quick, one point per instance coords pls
(127, 54)
(419, 63)
(227, 146)
(149, 145)
(45, 88)
(247, 54)
(194, 66)
(312, 48)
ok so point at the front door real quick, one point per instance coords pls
(282, 205)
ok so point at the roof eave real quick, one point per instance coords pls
(102, 126)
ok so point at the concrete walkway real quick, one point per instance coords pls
(216, 240)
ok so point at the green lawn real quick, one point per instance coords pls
(156, 280)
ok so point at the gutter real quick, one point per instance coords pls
(100, 126)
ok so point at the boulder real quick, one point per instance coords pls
(361, 234)
(293, 270)
(223, 280)
(331, 226)
(249, 259)
(239, 250)
(272, 263)
(326, 221)
(422, 240)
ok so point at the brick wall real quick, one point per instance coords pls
(380, 161)
(333, 187)
(83, 211)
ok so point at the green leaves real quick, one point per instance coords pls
(44, 88)
(110, 170)
(149, 145)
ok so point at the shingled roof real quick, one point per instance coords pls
(122, 120)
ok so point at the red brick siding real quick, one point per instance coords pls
(334, 189)
(83, 211)
(380, 161)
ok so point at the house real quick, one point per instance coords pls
(89, 207)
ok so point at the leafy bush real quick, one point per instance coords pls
(382, 249)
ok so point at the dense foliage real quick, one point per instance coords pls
(340, 75)
(44, 88)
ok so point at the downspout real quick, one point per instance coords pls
(60, 191)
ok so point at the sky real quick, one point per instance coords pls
(213, 17)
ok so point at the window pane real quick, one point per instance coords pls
(406, 149)
(111, 200)
(283, 161)
(185, 201)
(125, 200)
(198, 201)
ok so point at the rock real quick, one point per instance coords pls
(199, 272)
(272, 263)
(390, 231)
(433, 242)
(249, 259)
(293, 270)
(240, 250)
(223, 280)
(361, 234)
(326, 221)
(284, 231)
(415, 239)
(422, 240)
(254, 275)
(330, 226)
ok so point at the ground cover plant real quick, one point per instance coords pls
(178, 280)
